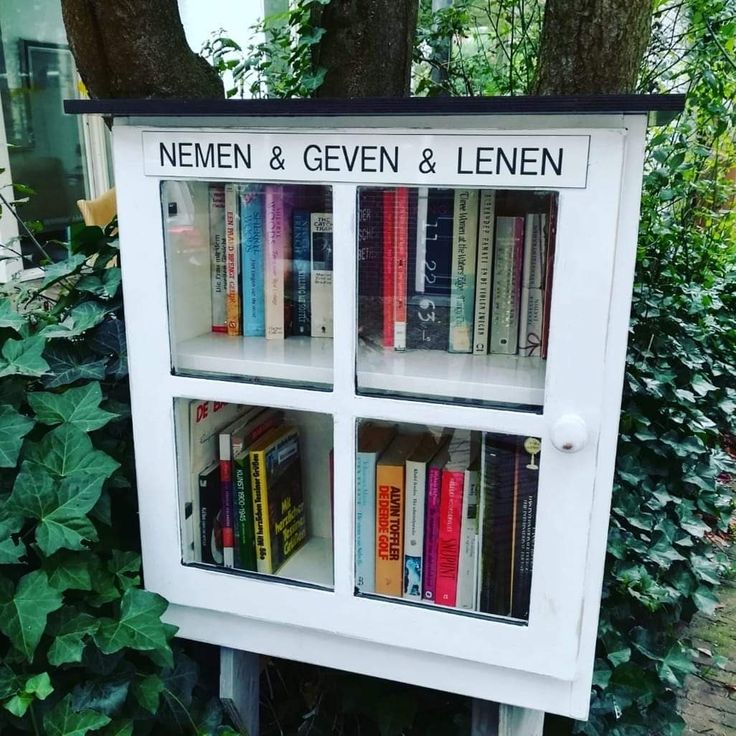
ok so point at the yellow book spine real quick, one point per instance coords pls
(264, 562)
(389, 529)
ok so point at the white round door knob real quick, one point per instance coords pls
(569, 433)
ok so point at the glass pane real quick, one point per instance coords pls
(255, 489)
(446, 517)
(465, 274)
(250, 280)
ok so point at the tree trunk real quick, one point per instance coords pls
(367, 47)
(136, 48)
(592, 46)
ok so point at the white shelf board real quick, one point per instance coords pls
(313, 563)
(507, 379)
(299, 359)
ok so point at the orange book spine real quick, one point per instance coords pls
(389, 529)
(232, 260)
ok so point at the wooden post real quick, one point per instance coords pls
(239, 677)
(494, 719)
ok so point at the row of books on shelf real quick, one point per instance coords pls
(248, 503)
(270, 260)
(448, 269)
(447, 517)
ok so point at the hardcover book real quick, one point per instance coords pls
(210, 516)
(432, 521)
(302, 274)
(232, 256)
(218, 257)
(481, 324)
(467, 567)
(251, 236)
(321, 283)
(370, 267)
(506, 295)
(464, 247)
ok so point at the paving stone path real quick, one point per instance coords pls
(708, 700)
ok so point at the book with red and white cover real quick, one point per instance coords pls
(389, 198)
(232, 258)
(277, 257)
(218, 259)
(401, 258)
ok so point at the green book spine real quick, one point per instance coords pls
(244, 531)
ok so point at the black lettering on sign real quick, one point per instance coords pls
(338, 158)
(204, 155)
(547, 158)
(509, 163)
(529, 161)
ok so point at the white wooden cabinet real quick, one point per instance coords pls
(582, 156)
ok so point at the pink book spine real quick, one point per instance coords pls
(448, 542)
(388, 268)
(275, 254)
(518, 263)
(431, 532)
(401, 256)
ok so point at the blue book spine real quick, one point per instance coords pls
(365, 522)
(301, 270)
(251, 238)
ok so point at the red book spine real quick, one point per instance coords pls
(448, 543)
(431, 532)
(226, 497)
(401, 256)
(388, 268)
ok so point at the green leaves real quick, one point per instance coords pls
(23, 357)
(77, 406)
(24, 610)
(71, 629)
(63, 720)
(13, 428)
(36, 687)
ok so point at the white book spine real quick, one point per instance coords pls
(416, 484)
(218, 258)
(534, 251)
(421, 250)
(481, 322)
(467, 575)
(321, 276)
(505, 298)
(531, 322)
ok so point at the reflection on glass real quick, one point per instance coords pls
(446, 516)
(463, 273)
(250, 279)
(255, 487)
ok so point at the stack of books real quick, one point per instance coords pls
(458, 270)
(446, 517)
(270, 260)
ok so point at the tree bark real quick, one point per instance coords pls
(592, 46)
(136, 49)
(367, 48)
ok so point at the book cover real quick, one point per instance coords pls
(506, 294)
(401, 256)
(278, 499)
(218, 257)
(321, 282)
(372, 441)
(277, 256)
(549, 272)
(302, 274)
(535, 235)
(370, 266)
(464, 247)
(251, 237)
(467, 567)
(481, 324)
(390, 479)
(531, 322)
(432, 521)
(232, 258)
(414, 514)
(389, 197)
(209, 509)
(450, 521)
(430, 271)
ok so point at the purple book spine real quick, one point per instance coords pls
(431, 531)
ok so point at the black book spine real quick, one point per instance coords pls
(370, 265)
(210, 530)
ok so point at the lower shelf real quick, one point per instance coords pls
(313, 563)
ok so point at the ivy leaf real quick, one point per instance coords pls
(148, 691)
(9, 317)
(23, 612)
(122, 727)
(139, 627)
(11, 550)
(676, 664)
(9, 682)
(78, 406)
(109, 340)
(67, 365)
(69, 571)
(104, 697)
(702, 386)
(126, 567)
(63, 268)
(63, 720)
(705, 600)
(70, 629)
(105, 285)
(82, 318)
(23, 357)
(13, 428)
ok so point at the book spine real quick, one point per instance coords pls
(401, 255)
(321, 283)
(218, 261)
(302, 274)
(431, 532)
(389, 529)
(448, 542)
(467, 562)
(416, 481)
(226, 501)
(506, 296)
(370, 265)
(551, 230)
(531, 322)
(274, 261)
(388, 268)
(210, 541)
(261, 525)
(232, 231)
(532, 273)
(483, 272)
(365, 522)
(464, 246)
(245, 541)
(251, 220)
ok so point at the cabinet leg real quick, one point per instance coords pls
(239, 688)
(494, 719)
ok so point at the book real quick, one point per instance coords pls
(278, 499)
(481, 323)
(450, 519)
(370, 266)
(506, 294)
(430, 271)
(302, 273)
(216, 194)
(549, 272)
(277, 252)
(321, 282)
(414, 516)
(532, 283)
(390, 478)
(401, 256)
(372, 441)
(251, 241)
(389, 197)
(232, 258)
(467, 568)
(210, 517)
(464, 247)
(432, 521)
(531, 322)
